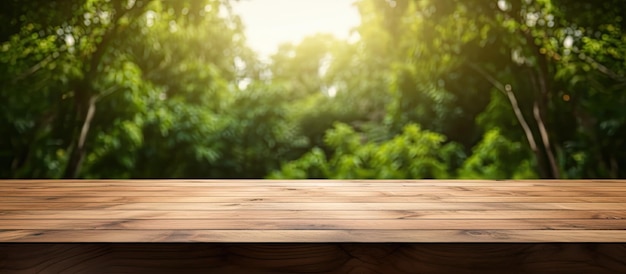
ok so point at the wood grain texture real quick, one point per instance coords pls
(442, 215)
(403, 211)
(308, 199)
(373, 235)
(312, 226)
(313, 258)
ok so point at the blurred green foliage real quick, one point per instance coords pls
(492, 89)
(412, 154)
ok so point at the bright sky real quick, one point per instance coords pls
(272, 22)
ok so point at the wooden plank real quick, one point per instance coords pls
(314, 206)
(321, 183)
(312, 224)
(313, 258)
(546, 215)
(309, 211)
(312, 236)
(307, 199)
(359, 214)
(325, 193)
(270, 189)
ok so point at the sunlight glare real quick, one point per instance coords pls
(269, 23)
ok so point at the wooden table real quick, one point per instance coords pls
(248, 226)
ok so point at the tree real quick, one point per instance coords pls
(430, 89)
(413, 154)
(496, 157)
(88, 65)
(523, 49)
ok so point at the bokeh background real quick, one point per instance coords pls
(494, 89)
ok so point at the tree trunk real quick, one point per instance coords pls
(86, 98)
(508, 91)
(78, 151)
(540, 80)
(546, 141)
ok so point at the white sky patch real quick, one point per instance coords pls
(243, 83)
(568, 42)
(325, 65)
(69, 40)
(150, 18)
(332, 91)
(269, 23)
(504, 5)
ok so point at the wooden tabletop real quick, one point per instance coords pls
(312, 211)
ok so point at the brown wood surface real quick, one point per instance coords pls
(312, 211)
(313, 258)
(312, 226)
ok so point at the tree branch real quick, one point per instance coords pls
(508, 91)
(600, 67)
(39, 65)
(537, 110)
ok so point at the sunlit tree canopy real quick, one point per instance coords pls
(493, 89)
